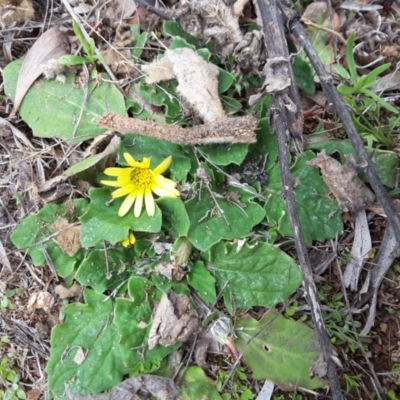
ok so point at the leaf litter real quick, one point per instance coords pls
(226, 40)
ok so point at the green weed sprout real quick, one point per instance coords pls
(9, 378)
(361, 85)
(88, 47)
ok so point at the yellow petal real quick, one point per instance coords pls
(111, 183)
(123, 191)
(126, 204)
(146, 162)
(131, 161)
(165, 182)
(113, 171)
(138, 204)
(131, 238)
(163, 192)
(163, 166)
(149, 203)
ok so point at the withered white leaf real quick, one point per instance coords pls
(66, 293)
(197, 81)
(52, 44)
(362, 245)
(43, 300)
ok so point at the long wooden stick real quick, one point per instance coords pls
(273, 29)
(229, 130)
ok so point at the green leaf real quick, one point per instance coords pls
(320, 41)
(87, 330)
(98, 160)
(225, 154)
(33, 235)
(174, 216)
(231, 105)
(321, 221)
(345, 90)
(87, 46)
(258, 275)
(72, 60)
(101, 221)
(380, 101)
(370, 79)
(67, 111)
(320, 142)
(139, 41)
(179, 42)
(161, 95)
(342, 72)
(197, 385)
(106, 269)
(225, 80)
(386, 164)
(133, 319)
(267, 144)
(350, 59)
(207, 227)
(173, 29)
(280, 350)
(139, 146)
(303, 75)
(200, 279)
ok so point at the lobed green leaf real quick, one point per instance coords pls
(258, 275)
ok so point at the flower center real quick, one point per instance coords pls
(142, 178)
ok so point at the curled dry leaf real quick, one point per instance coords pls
(52, 44)
(174, 321)
(43, 300)
(197, 79)
(342, 180)
(170, 271)
(66, 293)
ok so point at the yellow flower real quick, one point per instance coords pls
(129, 240)
(138, 182)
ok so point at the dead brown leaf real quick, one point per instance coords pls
(170, 271)
(68, 239)
(350, 192)
(51, 45)
(174, 321)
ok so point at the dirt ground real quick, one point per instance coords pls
(27, 316)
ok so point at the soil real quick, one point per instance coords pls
(30, 305)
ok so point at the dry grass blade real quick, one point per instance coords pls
(51, 45)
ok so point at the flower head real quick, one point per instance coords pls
(138, 182)
(129, 240)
